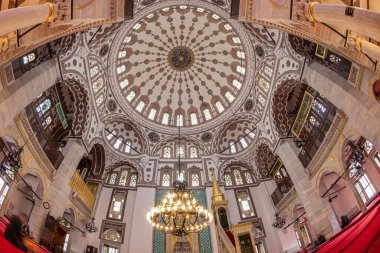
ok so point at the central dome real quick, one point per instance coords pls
(180, 66)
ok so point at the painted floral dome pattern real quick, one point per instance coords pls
(181, 66)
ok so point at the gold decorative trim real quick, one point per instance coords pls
(302, 114)
(51, 13)
(310, 10)
(278, 6)
(84, 193)
(83, 6)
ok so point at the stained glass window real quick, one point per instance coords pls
(117, 205)
(264, 84)
(318, 107)
(152, 113)
(193, 118)
(112, 178)
(28, 58)
(268, 71)
(180, 151)
(238, 178)
(246, 206)
(193, 152)
(236, 84)
(314, 121)
(230, 97)
(94, 71)
(179, 120)
(368, 146)
(47, 121)
(130, 96)
(228, 180)
(133, 181)
(167, 152)
(232, 147)
(43, 107)
(219, 107)
(98, 85)
(166, 180)
(207, 114)
(195, 180)
(140, 106)
(99, 100)
(165, 118)
(248, 177)
(123, 178)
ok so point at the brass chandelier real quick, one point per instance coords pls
(179, 213)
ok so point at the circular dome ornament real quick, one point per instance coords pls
(111, 105)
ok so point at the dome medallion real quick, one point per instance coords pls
(181, 65)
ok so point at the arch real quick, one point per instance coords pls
(97, 154)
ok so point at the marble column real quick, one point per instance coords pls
(21, 17)
(345, 17)
(363, 112)
(318, 211)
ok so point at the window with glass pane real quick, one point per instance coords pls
(167, 152)
(268, 71)
(117, 205)
(117, 143)
(264, 84)
(240, 70)
(207, 114)
(245, 203)
(314, 121)
(250, 133)
(94, 71)
(248, 177)
(47, 122)
(195, 180)
(152, 113)
(130, 96)
(109, 249)
(376, 157)
(111, 135)
(3, 190)
(232, 147)
(236, 84)
(112, 179)
(43, 107)
(165, 119)
(66, 242)
(238, 178)
(365, 188)
(28, 58)
(193, 119)
(368, 146)
(140, 106)
(229, 97)
(180, 151)
(166, 180)
(243, 142)
(219, 107)
(193, 152)
(133, 181)
(127, 147)
(228, 180)
(123, 178)
(179, 120)
(318, 107)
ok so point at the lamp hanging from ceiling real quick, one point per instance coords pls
(179, 213)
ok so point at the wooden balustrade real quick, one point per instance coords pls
(82, 190)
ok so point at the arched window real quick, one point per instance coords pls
(248, 178)
(318, 107)
(219, 107)
(140, 106)
(94, 71)
(117, 205)
(193, 152)
(180, 152)
(43, 107)
(167, 152)
(238, 178)
(127, 147)
(28, 58)
(240, 54)
(122, 54)
(236, 84)
(131, 96)
(232, 147)
(165, 118)
(236, 40)
(179, 120)
(245, 204)
(117, 143)
(121, 69)
(133, 181)
(112, 179)
(152, 114)
(127, 39)
(227, 27)
(166, 180)
(124, 83)
(228, 180)
(193, 119)
(240, 70)
(243, 142)
(111, 235)
(110, 136)
(229, 97)
(207, 114)
(250, 133)
(47, 122)
(123, 178)
(195, 180)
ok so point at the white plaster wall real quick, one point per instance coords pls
(265, 210)
(212, 227)
(77, 242)
(233, 209)
(288, 240)
(128, 218)
(141, 238)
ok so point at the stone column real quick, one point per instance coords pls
(362, 111)
(21, 17)
(345, 17)
(318, 211)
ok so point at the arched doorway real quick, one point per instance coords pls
(302, 226)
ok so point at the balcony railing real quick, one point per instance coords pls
(283, 187)
(82, 190)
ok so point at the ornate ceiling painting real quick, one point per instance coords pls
(177, 64)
